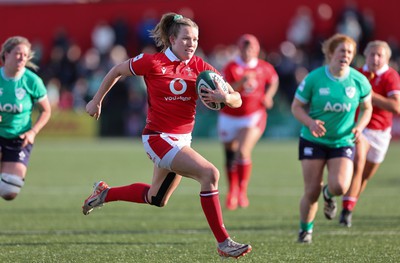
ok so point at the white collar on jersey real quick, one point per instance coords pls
(251, 64)
(345, 75)
(8, 78)
(379, 71)
(168, 52)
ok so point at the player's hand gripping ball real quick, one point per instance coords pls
(206, 80)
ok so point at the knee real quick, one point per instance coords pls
(211, 176)
(10, 186)
(244, 154)
(312, 194)
(339, 189)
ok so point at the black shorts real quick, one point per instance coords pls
(311, 150)
(12, 151)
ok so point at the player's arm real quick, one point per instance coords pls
(363, 118)
(270, 92)
(391, 103)
(44, 116)
(232, 98)
(316, 127)
(93, 108)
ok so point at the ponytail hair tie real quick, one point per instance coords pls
(177, 17)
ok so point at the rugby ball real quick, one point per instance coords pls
(206, 79)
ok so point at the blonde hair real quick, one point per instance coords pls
(14, 41)
(329, 45)
(378, 43)
(169, 25)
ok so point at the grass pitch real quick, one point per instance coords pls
(45, 223)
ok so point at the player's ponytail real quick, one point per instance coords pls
(169, 25)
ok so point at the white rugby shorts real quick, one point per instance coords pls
(379, 141)
(162, 148)
(229, 126)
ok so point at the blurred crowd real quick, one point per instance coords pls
(72, 75)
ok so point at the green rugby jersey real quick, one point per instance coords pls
(17, 98)
(333, 101)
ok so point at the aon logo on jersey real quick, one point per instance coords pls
(11, 108)
(337, 107)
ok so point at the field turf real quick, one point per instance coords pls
(45, 223)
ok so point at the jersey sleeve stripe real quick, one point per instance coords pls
(393, 92)
(130, 67)
(366, 98)
(300, 98)
(42, 98)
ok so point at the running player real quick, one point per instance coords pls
(371, 151)
(240, 128)
(325, 103)
(20, 90)
(170, 77)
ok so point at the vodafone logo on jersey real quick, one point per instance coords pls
(177, 87)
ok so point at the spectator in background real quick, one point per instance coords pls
(64, 69)
(121, 29)
(221, 55)
(239, 129)
(143, 28)
(137, 108)
(324, 28)
(20, 90)
(291, 66)
(350, 20)
(137, 101)
(111, 126)
(170, 76)
(80, 94)
(53, 92)
(66, 101)
(350, 26)
(70, 69)
(371, 150)
(324, 24)
(92, 70)
(61, 39)
(301, 28)
(37, 48)
(53, 68)
(103, 37)
(368, 27)
(325, 103)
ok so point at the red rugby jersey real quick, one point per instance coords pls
(253, 93)
(385, 82)
(171, 90)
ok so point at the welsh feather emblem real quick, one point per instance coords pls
(20, 93)
(350, 92)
